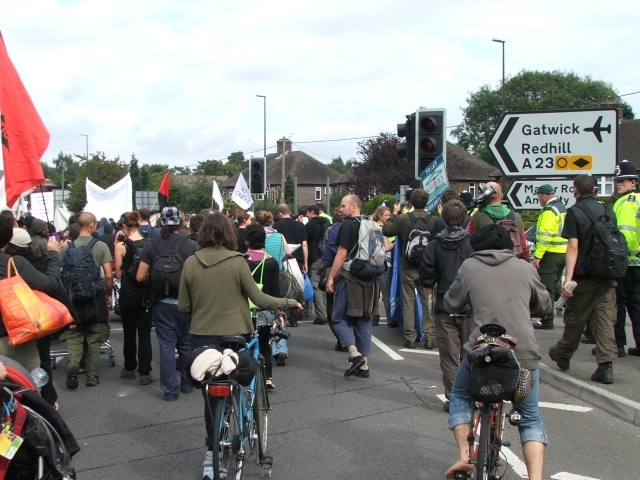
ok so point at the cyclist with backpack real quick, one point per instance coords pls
(82, 261)
(496, 212)
(594, 261)
(135, 316)
(415, 228)
(161, 263)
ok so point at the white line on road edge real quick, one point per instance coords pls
(570, 476)
(562, 406)
(385, 349)
(424, 352)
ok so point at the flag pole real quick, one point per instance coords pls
(44, 203)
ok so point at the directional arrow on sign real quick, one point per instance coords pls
(557, 143)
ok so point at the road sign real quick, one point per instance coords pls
(557, 143)
(522, 193)
(434, 180)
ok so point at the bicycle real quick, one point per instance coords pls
(239, 414)
(485, 437)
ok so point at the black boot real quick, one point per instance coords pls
(375, 320)
(604, 373)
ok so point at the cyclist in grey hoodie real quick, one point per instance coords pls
(504, 290)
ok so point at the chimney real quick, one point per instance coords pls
(608, 104)
(287, 145)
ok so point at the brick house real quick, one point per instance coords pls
(310, 173)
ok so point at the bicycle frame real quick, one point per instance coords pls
(489, 465)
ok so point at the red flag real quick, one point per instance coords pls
(163, 192)
(24, 136)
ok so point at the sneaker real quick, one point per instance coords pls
(362, 373)
(270, 385)
(543, 325)
(633, 351)
(92, 381)
(281, 359)
(72, 369)
(410, 344)
(128, 374)
(563, 363)
(320, 321)
(588, 339)
(207, 472)
(353, 364)
(603, 374)
(146, 379)
(293, 322)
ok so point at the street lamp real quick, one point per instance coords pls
(502, 42)
(264, 97)
(87, 136)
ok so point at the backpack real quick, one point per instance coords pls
(136, 248)
(166, 269)
(80, 273)
(607, 257)
(418, 237)
(323, 241)
(509, 223)
(369, 261)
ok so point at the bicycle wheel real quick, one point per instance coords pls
(228, 437)
(484, 445)
(261, 413)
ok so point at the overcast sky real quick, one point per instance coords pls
(176, 81)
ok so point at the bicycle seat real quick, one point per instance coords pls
(234, 342)
(493, 329)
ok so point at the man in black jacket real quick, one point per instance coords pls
(316, 228)
(440, 263)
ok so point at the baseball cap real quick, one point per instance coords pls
(320, 205)
(37, 226)
(545, 189)
(170, 217)
(20, 238)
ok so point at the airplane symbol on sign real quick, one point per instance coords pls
(597, 128)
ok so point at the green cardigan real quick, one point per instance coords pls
(214, 287)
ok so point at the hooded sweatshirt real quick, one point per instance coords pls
(214, 288)
(492, 214)
(441, 261)
(505, 290)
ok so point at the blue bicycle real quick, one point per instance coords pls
(240, 415)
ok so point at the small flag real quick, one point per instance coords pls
(163, 192)
(24, 137)
(241, 194)
(217, 196)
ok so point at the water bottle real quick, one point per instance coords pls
(40, 377)
(561, 301)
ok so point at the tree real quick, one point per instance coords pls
(181, 171)
(54, 173)
(340, 165)
(212, 167)
(528, 91)
(149, 173)
(288, 189)
(136, 181)
(237, 161)
(379, 169)
(100, 170)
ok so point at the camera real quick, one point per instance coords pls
(277, 333)
(482, 199)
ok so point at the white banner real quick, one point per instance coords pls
(61, 217)
(241, 194)
(217, 196)
(112, 202)
(42, 205)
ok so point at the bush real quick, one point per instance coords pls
(370, 207)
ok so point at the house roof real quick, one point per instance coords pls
(461, 166)
(305, 168)
(629, 141)
(189, 180)
(344, 179)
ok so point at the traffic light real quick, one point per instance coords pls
(407, 150)
(430, 137)
(258, 176)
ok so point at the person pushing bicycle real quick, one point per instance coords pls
(504, 290)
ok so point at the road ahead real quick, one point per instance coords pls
(324, 426)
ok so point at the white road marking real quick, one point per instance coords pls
(562, 406)
(570, 476)
(424, 352)
(442, 397)
(385, 349)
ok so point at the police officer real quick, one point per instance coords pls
(551, 248)
(628, 289)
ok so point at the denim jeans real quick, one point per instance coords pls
(531, 427)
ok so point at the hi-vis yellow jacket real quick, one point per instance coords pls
(626, 210)
(549, 229)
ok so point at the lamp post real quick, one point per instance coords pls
(264, 97)
(87, 136)
(502, 42)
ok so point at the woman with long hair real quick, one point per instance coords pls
(215, 289)
(135, 317)
(381, 216)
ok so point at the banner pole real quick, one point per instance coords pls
(44, 204)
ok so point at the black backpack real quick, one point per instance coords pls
(607, 257)
(166, 268)
(80, 273)
(419, 236)
(135, 247)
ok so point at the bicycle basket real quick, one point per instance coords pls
(493, 382)
(525, 384)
